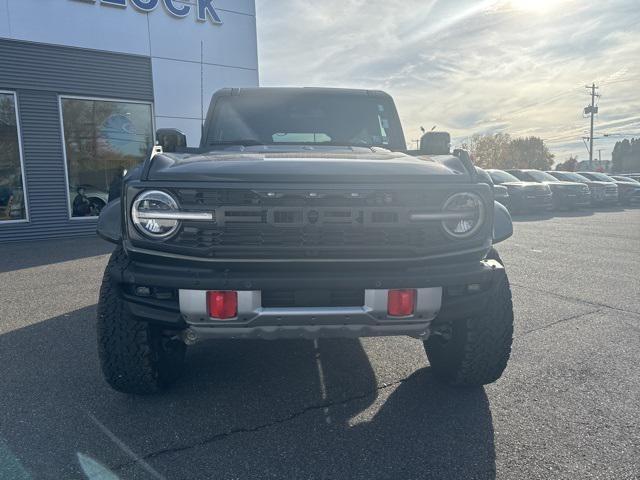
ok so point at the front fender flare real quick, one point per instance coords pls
(502, 224)
(110, 222)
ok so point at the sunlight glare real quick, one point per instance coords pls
(534, 6)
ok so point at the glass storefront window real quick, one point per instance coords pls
(102, 140)
(12, 193)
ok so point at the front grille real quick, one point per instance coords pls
(253, 241)
(312, 298)
(611, 190)
(197, 199)
(341, 223)
(578, 190)
(538, 191)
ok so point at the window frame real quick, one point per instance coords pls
(25, 193)
(64, 147)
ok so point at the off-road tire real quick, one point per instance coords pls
(136, 357)
(476, 350)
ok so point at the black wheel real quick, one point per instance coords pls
(135, 356)
(474, 351)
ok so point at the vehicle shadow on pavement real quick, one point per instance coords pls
(573, 213)
(245, 409)
(532, 216)
(611, 208)
(18, 256)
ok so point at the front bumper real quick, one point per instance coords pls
(630, 196)
(571, 199)
(443, 293)
(530, 201)
(256, 321)
(604, 197)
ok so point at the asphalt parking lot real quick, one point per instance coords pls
(568, 405)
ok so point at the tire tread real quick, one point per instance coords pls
(480, 353)
(129, 349)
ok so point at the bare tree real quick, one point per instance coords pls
(502, 151)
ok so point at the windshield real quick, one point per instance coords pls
(541, 176)
(570, 177)
(598, 176)
(499, 176)
(305, 118)
(625, 179)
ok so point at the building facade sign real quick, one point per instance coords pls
(112, 67)
(204, 10)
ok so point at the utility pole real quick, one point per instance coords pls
(591, 110)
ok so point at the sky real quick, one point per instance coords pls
(469, 66)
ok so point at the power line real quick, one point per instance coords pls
(539, 102)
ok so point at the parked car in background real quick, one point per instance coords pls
(500, 192)
(501, 195)
(622, 178)
(628, 190)
(633, 176)
(601, 192)
(523, 196)
(565, 194)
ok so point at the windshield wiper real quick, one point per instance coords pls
(249, 142)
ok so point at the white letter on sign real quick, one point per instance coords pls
(175, 11)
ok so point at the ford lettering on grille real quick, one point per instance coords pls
(317, 216)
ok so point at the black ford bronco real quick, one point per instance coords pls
(302, 215)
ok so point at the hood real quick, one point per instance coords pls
(317, 165)
(627, 184)
(520, 184)
(564, 184)
(597, 183)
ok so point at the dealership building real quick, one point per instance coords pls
(84, 84)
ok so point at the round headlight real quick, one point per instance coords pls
(151, 213)
(467, 214)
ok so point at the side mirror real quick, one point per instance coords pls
(435, 143)
(171, 139)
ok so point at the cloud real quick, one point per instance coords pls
(465, 65)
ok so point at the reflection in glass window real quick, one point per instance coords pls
(102, 140)
(301, 138)
(12, 196)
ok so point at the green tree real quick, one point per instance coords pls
(626, 156)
